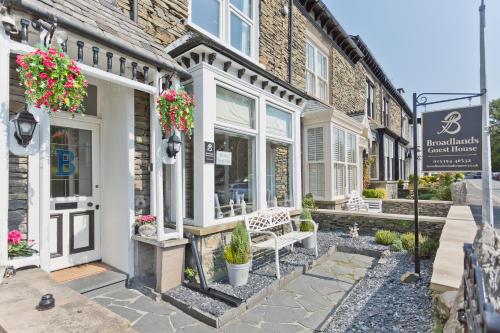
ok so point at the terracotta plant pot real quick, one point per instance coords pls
(147, 230)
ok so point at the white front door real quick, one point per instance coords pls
(74, 231)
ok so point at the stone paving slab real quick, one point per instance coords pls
(19, 295)
(306, 302)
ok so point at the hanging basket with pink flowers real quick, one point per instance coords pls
(175, 108)
(52, 81)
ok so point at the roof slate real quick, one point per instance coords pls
(105, 17)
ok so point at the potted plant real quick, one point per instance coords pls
(237, 255)
(307, 225)
(18, 246)
(190, 275)
(146, 225)
(175, 109)
(52, 80)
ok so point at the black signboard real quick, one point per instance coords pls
(451, 140)
(209, 152)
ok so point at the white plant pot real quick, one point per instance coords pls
(147, 230)
(309, 243)
(238, 274)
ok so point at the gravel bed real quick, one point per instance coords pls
(264, 272)
(381, 303)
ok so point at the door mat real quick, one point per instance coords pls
(78, 272)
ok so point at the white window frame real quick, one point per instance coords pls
(226, 8)
(317, 162)
(385, 112)
(388, 158)
(317, 78)
(370, 99)
(345, 163)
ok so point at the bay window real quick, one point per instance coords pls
(315, 162)
(278, 157)
(232, 21)
(344, 162)
(389, 158)
(316, 72)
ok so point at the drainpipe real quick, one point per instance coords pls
(134, 10)
(290, 7)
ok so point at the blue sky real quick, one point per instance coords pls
(427, 45)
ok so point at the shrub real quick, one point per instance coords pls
(308, 201)
(397, 245)
(190, 274)
(306, 225)
(385, 237)
(238, 250)
(374, 193)
(428, 246)
(401, 184)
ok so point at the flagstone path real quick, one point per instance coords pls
(304, 305)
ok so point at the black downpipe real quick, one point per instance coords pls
(134, 10)
(199, 268)
(290, 15)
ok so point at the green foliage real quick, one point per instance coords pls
(23, 249)
(238, 251)
(495, 134)
(458, 176)
(397, 245)
(401, 183)
(385, 237)
(307, 225)
(374, 193)
(308, 201)
(190, 274)
(428, 246)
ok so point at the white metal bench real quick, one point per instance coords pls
(358, 203)
(262, 222)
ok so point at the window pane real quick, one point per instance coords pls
(278, 174)
(351, 148)
(310, 82)
(245, 6)
(240, 34)
(205, 14)
(71, 162)
(234, 174)
(235, 109)
(278, 122)
(321, 66)
(351, 178)
(321, 90)
(338, 145)
(315, 144)
(339, 179)
(317, 179)
(310, 57)
(90, 101)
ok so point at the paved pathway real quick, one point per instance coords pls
(305, 304)
(474, 199)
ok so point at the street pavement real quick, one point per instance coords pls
(474, 199)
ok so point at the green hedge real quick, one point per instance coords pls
(374, 193)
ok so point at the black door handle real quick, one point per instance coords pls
(90, 204)
(96, 207)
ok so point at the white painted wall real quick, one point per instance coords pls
(117, 176)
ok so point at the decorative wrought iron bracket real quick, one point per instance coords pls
(422, 99)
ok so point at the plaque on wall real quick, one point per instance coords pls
(209, 152)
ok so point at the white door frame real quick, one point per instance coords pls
(67, 260)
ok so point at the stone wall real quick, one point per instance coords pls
(370, 223)
(142, 154)
(281, 173)
(425, 207)
(18, 166)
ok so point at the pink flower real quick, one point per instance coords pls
(44, 76)
(15, 237)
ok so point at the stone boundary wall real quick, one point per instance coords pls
(371, 222)
(425, 207)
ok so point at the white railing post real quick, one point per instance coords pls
(4, 144)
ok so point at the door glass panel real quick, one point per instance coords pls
(70, 162)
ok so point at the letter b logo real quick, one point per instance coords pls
(65, 166)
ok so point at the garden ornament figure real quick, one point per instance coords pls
(231, 204)
(353, 231)
(243, 207)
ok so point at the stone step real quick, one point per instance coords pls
(94, 283)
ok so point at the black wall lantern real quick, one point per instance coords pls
(25, 125)
(173, 145)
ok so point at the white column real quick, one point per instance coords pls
(156, 176)
(178, 190)
(44, 191)
(297, 165)
(204, 118)
(4, 145)
(261, 163)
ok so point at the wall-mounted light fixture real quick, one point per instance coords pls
(25, 125)
(173, 145)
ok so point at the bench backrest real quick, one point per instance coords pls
(355, 198)
(267, 219)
